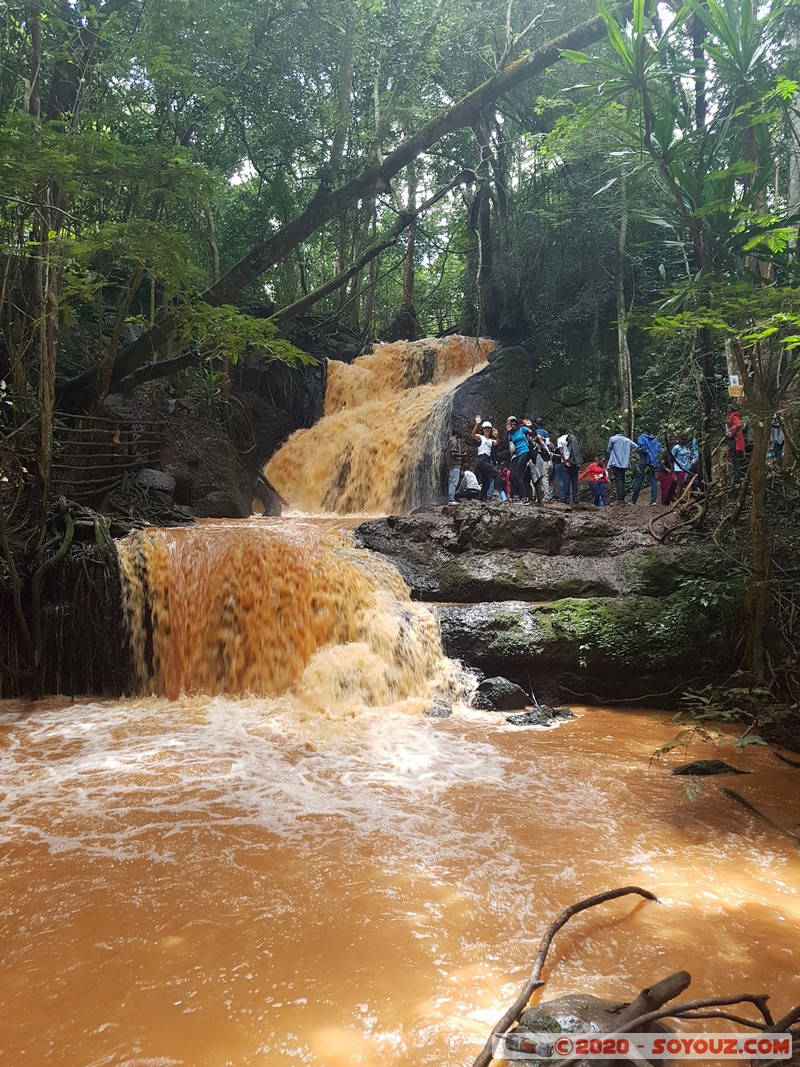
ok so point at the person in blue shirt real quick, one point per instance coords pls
(649, 452)
(682, 460)
(519, 437)
(619, 461)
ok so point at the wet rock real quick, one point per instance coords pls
(577, 1013)
(491, 552)
(543, 715)
(591, 647)
(493, 526)
(511, 372)
(440, 709)
(707, 766)
(503, 694)
(208, 476)
(156, 480)
(482, 703)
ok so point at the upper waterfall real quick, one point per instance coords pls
(378, 448)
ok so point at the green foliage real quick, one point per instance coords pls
(227, 332)
(752, 709)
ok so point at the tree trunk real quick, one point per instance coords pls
(623, 351)
(756, 379)
(372, 279)
(48, 337)
(758, 599)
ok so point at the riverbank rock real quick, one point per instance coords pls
(503, 695)
(588, 607)
(490, 552)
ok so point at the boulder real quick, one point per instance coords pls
(440, 709)
(482, 703)
(577, 1013)
(503, 694)
(156, 480)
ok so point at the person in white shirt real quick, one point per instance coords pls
(571, 463)
(485, 470)
(619, 452)
(469, 487)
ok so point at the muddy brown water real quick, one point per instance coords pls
(213, 881)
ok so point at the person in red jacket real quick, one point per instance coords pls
(734, 433)
(598, 480)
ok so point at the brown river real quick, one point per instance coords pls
(216, 882)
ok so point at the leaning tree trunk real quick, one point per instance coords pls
(623, 350)
(759, 597)
(756, 378)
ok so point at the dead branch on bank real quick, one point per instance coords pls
(785, 759)
(689, 509)
(733, 795)
(484, 1058)
(649, 1006)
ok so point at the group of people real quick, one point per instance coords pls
(524, 471)
(529, 467)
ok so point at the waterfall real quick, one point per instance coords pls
(380, 445)
(278, 607)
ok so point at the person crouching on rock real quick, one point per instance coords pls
(484, 468)
(598, 479)
(469, 487)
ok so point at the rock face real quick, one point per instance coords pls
(208, 477)
(586, 606)
(503, 388)
(590, 649)
(490, 552)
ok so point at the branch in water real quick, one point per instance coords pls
(533, 983)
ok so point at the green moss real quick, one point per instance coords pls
(593, 546)
(455, 581)
(510, 636)
(642, 632)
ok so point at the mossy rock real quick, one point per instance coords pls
(606, 646)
